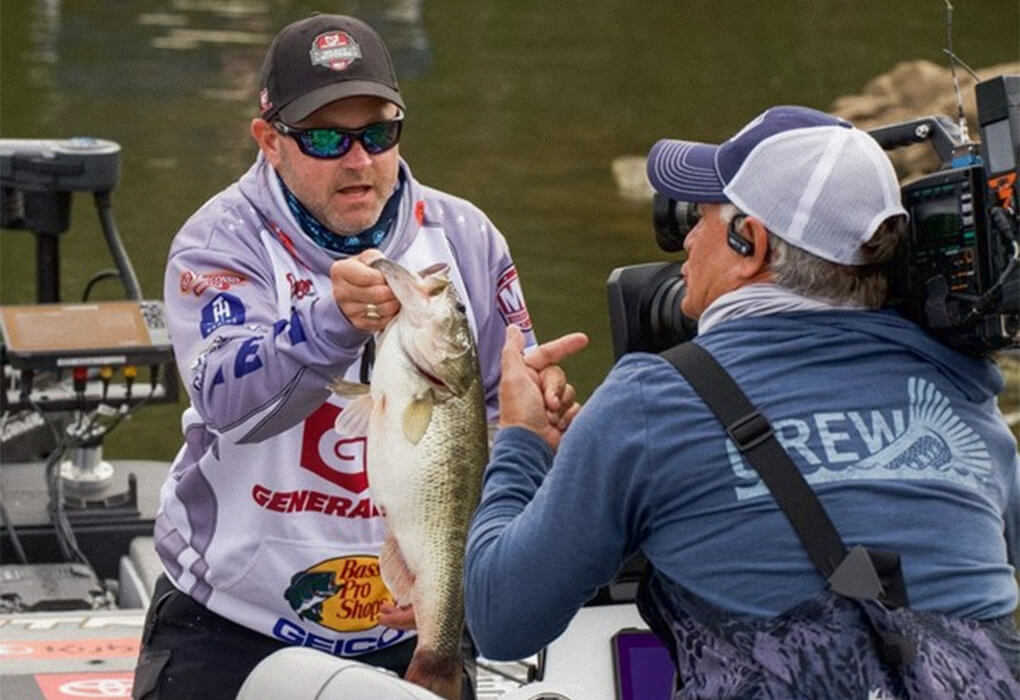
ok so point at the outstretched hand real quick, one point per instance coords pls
(533, 390)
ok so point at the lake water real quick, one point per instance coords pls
(521, 107)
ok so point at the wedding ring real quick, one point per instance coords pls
(372, 312)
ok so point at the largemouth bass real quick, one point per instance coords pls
(427, 448)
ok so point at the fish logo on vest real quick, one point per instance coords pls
(344, 594)
(308, 590)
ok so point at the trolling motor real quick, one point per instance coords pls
(37, 177)
(45, 341)
(72, 371)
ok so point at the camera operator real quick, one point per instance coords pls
(898, 434)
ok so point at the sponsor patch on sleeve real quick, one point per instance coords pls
(220, 280)
(224, 310)
(510, 299)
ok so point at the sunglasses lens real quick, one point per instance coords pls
(380, 137)
(324, 143)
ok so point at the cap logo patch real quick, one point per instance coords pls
(265, 104)
(335, 50)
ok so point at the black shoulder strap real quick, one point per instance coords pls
(753, 435)
(860, 573)
(857, 573)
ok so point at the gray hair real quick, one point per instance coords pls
(857, 285)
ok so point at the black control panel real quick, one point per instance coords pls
(943, 233)
(79, 356)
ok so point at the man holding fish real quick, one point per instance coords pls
(267, 530)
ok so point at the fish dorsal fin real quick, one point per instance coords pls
(439, 269)
(348, 389)
(353, 418)
(417, 416)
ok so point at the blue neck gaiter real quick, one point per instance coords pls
(372, 237)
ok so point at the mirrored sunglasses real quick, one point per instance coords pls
(331, 142)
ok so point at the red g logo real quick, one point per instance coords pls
(335, 458)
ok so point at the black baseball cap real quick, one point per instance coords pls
(320, 59)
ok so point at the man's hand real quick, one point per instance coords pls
(361, 292)
(401, 618)
(533, 389)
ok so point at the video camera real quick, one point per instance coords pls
(958, 274)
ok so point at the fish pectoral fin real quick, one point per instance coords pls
(417, 416)
(353, 418)
(342, 387)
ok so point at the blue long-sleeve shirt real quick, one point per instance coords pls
(899, 436)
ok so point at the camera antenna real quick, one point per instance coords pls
(953, 60)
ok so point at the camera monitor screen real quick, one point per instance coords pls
(643, 668)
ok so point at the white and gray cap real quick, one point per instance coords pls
(813, 179)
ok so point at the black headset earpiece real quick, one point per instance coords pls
(737, 242)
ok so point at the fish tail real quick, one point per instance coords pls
(443, 675)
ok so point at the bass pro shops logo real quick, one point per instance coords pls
(343, 594)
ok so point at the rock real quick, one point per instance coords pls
(631, 180)
(911, 90)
